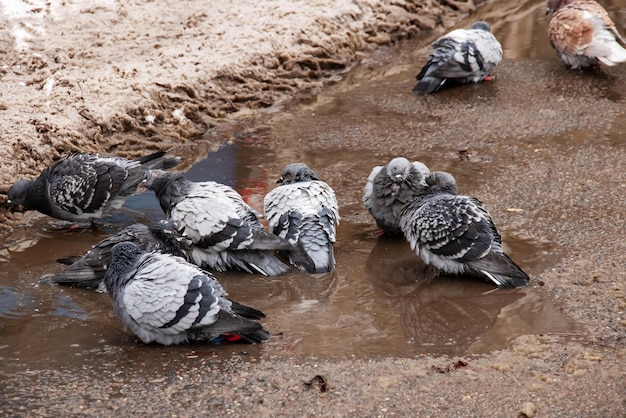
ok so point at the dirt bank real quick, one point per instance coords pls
(127, 78)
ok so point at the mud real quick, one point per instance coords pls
(542, 146)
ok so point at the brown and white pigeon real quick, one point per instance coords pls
(304, 210)
(461, 56)
(83, 187)
(164, 299)
(226, 233)
(583, 34)
(389, 188)
(89, 270)
(457, 235)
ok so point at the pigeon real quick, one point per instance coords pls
(461, 56)
(457, 235)
(389, 188)
(304, 210)
(164, 299)
(88, 271)
(82, 187)
(225, 232)
(583, 34)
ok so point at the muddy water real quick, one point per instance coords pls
(377, 302)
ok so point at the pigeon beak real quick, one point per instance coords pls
(280, 181)
(398, 176)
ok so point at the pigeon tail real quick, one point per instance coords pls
(68, 261)
(501, 269)
(429, 84)
(157, 162)
(255, 337)
(256, 262)
(229, 326)
(616, 55)
(261, 240)
(246, 311)
(77, 275)
(248, 261)
(320, 259)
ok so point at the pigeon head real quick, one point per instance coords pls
(175, 240)
(482, 25)
(554, 5)
(440, 182)
(166, 186)
(296, 172)
(399, 169)
(156, 179)
(18, 192)
(124, 257)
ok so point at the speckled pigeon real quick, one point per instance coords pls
(304, 210)
(225, 231)
(88, 271)
(389, 188)
(583, 34)
(456, 234)
(82, 187)
(162, 298)
(461, 56)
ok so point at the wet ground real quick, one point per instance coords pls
(566, 127)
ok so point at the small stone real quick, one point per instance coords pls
(385, 382)
(528, 410)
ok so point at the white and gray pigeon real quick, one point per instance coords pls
(389, 188)
(457, 235)
(83, 187)
(89, 270)
(304, 210)
(225, 231)
(164, 299)
(461, 56)
(583, 34)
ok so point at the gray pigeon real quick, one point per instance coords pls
(304, 210)
(82, 187)
(461, 56)
(88, 271)
(162, 298)
(456, 234)
(226, 233)
(389, 188)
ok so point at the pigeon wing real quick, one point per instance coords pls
(369, 188)
(210, 219)
(287, 206)
(87, 183)
(570, 32)
(452, 227)
(168, 296)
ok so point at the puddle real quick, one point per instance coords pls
(377, 301)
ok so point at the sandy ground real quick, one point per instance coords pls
(126, 77)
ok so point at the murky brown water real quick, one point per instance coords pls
(377, 301)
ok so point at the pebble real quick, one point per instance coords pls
(528, 409)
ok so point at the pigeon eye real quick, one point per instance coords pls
(436, 182)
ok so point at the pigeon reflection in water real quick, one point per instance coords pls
(444, 315)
